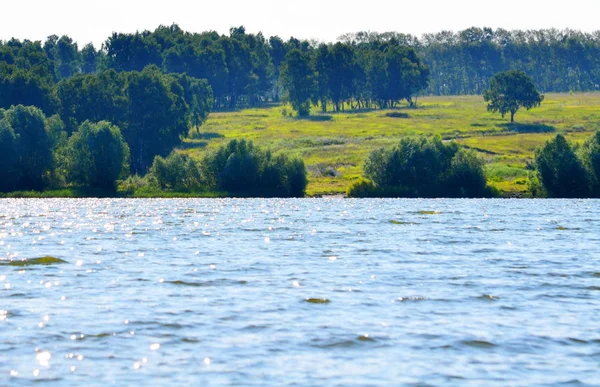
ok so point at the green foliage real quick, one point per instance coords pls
(363, 189)
(297, 76)
(509, 91)
(467, 176)
(424, 167)
(198, 97)
(153, 110)
(590, 153)
(463, 62)
(132, 184)
(97, 155)
(28, 146)
(8, 155)
(560, 172)
(176, 172)
(242, 168)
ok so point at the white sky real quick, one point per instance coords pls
(93, 21)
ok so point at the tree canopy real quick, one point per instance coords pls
(97, 155)
(563, 173)
(509, 91)
(27, 148)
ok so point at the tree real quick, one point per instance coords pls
(8, 155)
(31, 143)
(322, 66)
(341, 75)
(153, 110)
(559, 170)
(97, 155)
(89, 59)
(177, 172)
(298, 76)
(591, 159)
(509, 91)
(156, 116)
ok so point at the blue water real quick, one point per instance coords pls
(300, 292)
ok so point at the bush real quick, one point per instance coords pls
(362, 189)
(244, 169)
(177, 172)
(132, 184)
(97, 155)
(423, 167)
(560, 172)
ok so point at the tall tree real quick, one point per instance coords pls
(298, 78)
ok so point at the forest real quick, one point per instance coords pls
(141, 93)
(244, 69)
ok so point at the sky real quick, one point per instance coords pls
(323, 20)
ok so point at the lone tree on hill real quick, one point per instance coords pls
(509, 91)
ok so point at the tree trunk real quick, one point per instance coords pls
(512, 117)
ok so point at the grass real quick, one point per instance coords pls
(335, 145)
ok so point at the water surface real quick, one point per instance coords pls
(299, 292)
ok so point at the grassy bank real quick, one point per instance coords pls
(334, 145)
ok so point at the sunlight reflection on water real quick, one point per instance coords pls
(307, 292)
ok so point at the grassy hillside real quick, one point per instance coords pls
(334, 145)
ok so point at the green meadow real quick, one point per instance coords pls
(335, 145)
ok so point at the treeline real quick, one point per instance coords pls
(153, 110)
(463, 62)
(245, 69)
(242, 69)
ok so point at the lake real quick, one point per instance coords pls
(270, 292)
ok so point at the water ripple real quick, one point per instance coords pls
(277, 292)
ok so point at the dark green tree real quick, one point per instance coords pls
(560, 172)
(89, 59)
(298, 78)
(132, 52)
(341, 74)
(591, 159)
(198, 97)
(8, 155)
(155, 116)
(323, 69)
(97, 155)
(33, 146)
(66, 57)
(278, 51)
(509, 91)
(154, 110)
(176, 172)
